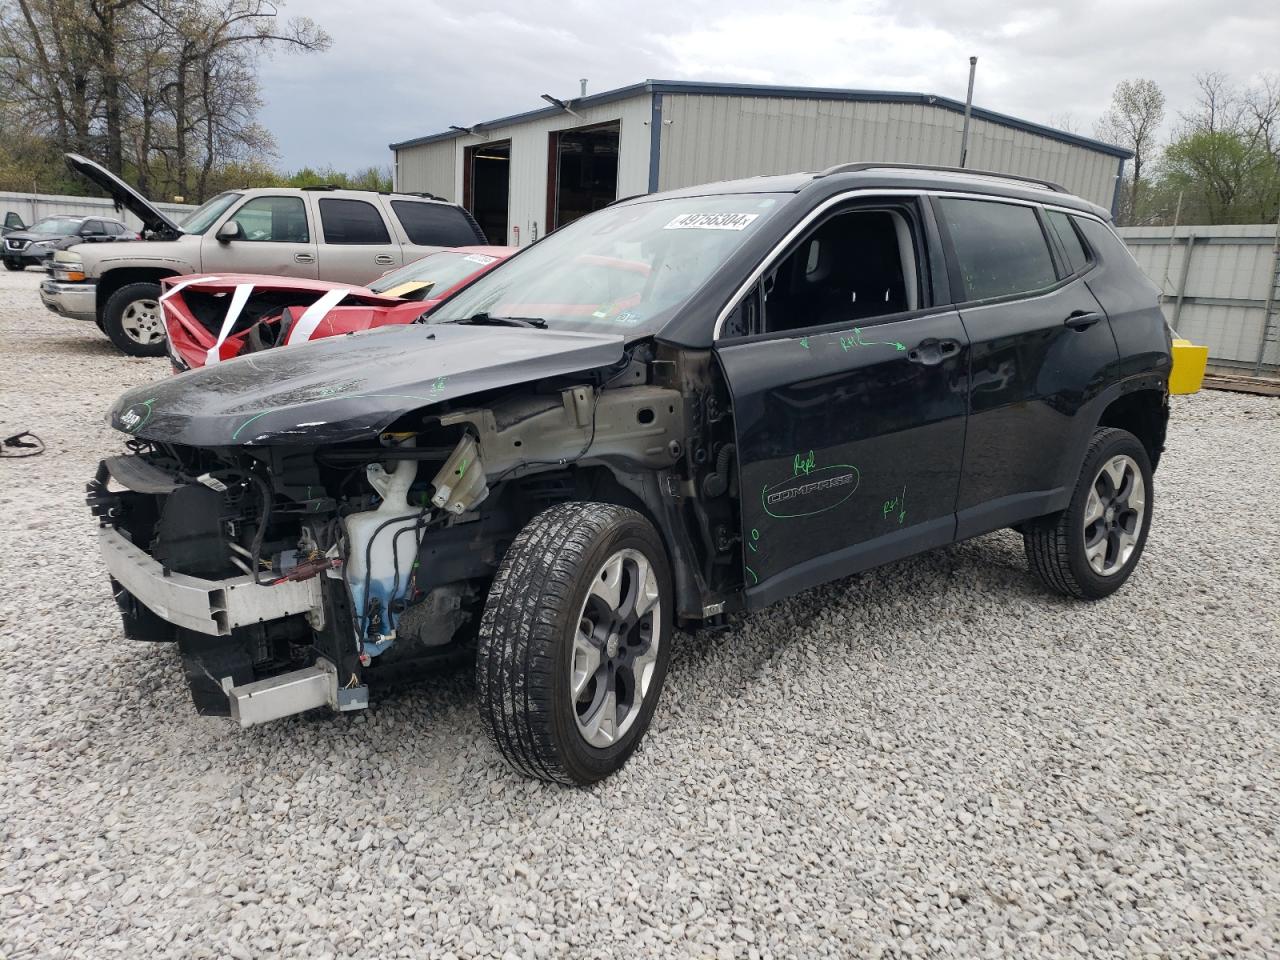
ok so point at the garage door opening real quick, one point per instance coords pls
(488, 187)
(583, 174)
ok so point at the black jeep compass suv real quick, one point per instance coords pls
(683, 406)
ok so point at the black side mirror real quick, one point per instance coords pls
(229, 231)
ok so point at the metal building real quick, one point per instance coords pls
(526, 174)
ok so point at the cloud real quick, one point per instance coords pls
(400, 69)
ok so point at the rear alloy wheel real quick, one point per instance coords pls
(133, 321)
(575, 641)
(1091, 548)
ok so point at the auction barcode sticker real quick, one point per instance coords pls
(711, 221)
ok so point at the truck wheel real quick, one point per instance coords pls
(133, 321)
(574, 643)
(13, 265)
(1090, 549)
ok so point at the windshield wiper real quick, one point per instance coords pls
(487, 320)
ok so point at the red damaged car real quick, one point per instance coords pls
(210, 318)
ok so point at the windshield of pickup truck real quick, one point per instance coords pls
(202, 218)
(626, 268)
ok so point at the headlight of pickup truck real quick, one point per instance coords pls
(67, 266)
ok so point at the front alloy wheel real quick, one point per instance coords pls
(574, 643)
(141, 322)
(615, 648)
(132, 319)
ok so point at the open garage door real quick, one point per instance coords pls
(487, 190)
(583, 174)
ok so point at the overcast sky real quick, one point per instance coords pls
(404, 68)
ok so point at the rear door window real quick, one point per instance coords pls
(1072, 246)
(1000, 249)
(352, 222)
(434, 224)
(92, 227)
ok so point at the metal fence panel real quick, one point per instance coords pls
(1220, 286)
(36, 206)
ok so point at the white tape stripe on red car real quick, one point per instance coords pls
(238, 300)
(311, 317)
(186, 283)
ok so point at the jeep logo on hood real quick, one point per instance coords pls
(134, 417)
(818, 490)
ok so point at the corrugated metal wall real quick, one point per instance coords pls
(706, 138)
(1230, 274)
(36, 206)
(438, 167)
(431, 168)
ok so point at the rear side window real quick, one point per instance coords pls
(1077, 256)
(352, 221)
(1000, 248)
(92, 227)
(434, 224)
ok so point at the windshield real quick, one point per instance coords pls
(433, 274)
(200, 219)
(55, 226)
(626, 268)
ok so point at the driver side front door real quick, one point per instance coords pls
(849, 397)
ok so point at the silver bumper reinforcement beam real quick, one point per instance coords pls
(214, 607)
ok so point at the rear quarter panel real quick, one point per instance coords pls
(1132, 304)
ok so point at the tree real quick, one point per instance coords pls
(162, 91)
(1133, 121)
(1225, 160)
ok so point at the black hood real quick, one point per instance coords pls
(339, 389)
(123, 194)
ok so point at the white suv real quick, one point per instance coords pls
(349, 236)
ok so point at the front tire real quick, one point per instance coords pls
(1090, 549)
(14, 265)
(133, 321)
(575, 641)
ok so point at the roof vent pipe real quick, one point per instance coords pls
(583, 82)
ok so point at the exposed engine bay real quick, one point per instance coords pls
(296, 576)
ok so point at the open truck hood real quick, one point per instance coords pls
(351, 387)
(123, 194)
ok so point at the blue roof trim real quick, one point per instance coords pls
(694, 88)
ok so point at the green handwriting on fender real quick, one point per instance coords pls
(896, 505)
(848, 343)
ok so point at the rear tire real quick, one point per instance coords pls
(1090, 549)
(132, 319)
(574, 643)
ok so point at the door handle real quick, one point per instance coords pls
(932, 352)
(1081, 319)
(384, 259)
(304, 258)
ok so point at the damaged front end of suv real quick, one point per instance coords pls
(305, 523)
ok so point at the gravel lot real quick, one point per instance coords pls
(937, 758)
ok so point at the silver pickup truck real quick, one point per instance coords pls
(349, 236)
